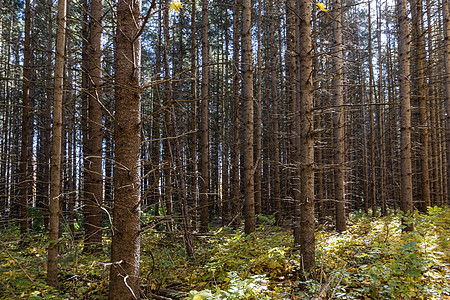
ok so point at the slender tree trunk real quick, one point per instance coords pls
(168, 115)
(304, 234)
(235, 206)
(420, 91)
(226, 132)
(194, 116)
(382, 152)
(338, 119)
(24, 159)
(291, 66)
(56, 183)
(258, 114)
(93, 157)
(276, 195)
(204, 138)
(125, 247)
(405, 109)
(373, 179)
(446, 9)
(247, 118)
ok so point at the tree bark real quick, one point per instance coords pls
(55, 172)
(93, 157)
(421, 99)
(405, 109)
(304, 233)
(204, 135)
(125, 247)
(276, 195)
(24, 159)
(257, 116)
(338, 119)
(247, 118)
(235, 203)
(446, 9)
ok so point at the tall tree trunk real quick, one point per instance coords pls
(235, 203)
(338, 119)
(446, 9)
(373, 178)
(24, 159)
(381, 121)
(276, 195)
(304, 232)
(93, 157)
(125, 247)
(194, 116)
(405, 109)
(56, 183)
(291, 66)
(168, 115)
(204, 137)
(420, 93)
(258, 114)
(247, 118)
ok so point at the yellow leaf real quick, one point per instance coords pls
(176, 6)
(321, 6)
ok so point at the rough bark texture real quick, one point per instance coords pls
(447, 84)
(373, 179)
(24, 164)
(338, 120)
(55, 172)
(304, 237)
(125, 248)
(247, 118)
(276, 195)
(421, 100)
(291, 65)
(405, 108)
(258, 116)
(235, 206)
(204, 135)
(93, 154)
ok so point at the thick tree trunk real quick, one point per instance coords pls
(405, 109)
(247, 118)
(93, 157)
(55, 173)
(125, 247)
(304, 234)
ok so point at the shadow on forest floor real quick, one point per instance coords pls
(372, 260)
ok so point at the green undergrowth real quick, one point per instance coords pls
(373, 259)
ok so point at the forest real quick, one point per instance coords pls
(224, 149)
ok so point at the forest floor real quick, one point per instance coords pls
(373, 259)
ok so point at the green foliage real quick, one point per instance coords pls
(254, 287)
(374, 259)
